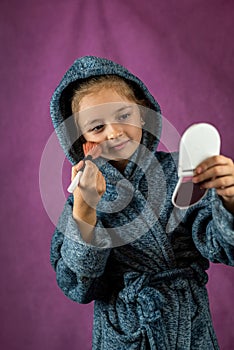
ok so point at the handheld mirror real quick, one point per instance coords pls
(199, 142)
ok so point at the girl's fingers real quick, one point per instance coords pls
(76, 168)
(219, 182)
(214, 167)
(101, 183)
(92, 179)
(90, 172)
(212, 162)
(92, 185)
(214, 172)
(218, 172)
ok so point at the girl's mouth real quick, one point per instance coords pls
(120, 146)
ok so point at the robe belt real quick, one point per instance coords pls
(141, 290)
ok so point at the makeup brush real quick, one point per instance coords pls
(91, 151)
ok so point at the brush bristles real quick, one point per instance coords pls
(92, 149)
(88, 146)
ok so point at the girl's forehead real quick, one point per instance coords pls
(101, 97)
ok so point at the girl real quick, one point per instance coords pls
(119, 240)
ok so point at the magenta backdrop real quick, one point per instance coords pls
(183, 50)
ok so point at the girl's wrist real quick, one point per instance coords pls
(83, 212)
(86, 222)
(228, 203)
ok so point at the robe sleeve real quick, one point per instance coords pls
(213, 230)
(79, 266)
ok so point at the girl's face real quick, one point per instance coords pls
(111, 120)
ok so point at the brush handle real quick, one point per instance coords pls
(75, 182)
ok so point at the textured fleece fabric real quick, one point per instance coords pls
(149, 293)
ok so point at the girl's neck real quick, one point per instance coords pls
(119, 165)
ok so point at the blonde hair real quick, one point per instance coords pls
(96, 84)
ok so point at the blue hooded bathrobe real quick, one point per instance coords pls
(145, 268)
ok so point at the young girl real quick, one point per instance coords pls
(119, 240)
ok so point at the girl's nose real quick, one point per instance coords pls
(114, 131)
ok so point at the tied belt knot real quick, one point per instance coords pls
(141, 289)
(149, 300)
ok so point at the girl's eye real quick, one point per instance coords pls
(124, 116)
(97, 128)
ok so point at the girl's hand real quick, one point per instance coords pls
(92, 184)
(86, 197)
(218, 172)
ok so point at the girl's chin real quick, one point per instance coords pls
(121, 156)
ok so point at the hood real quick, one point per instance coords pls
(60, 105)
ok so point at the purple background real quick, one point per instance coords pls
(183, 51)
